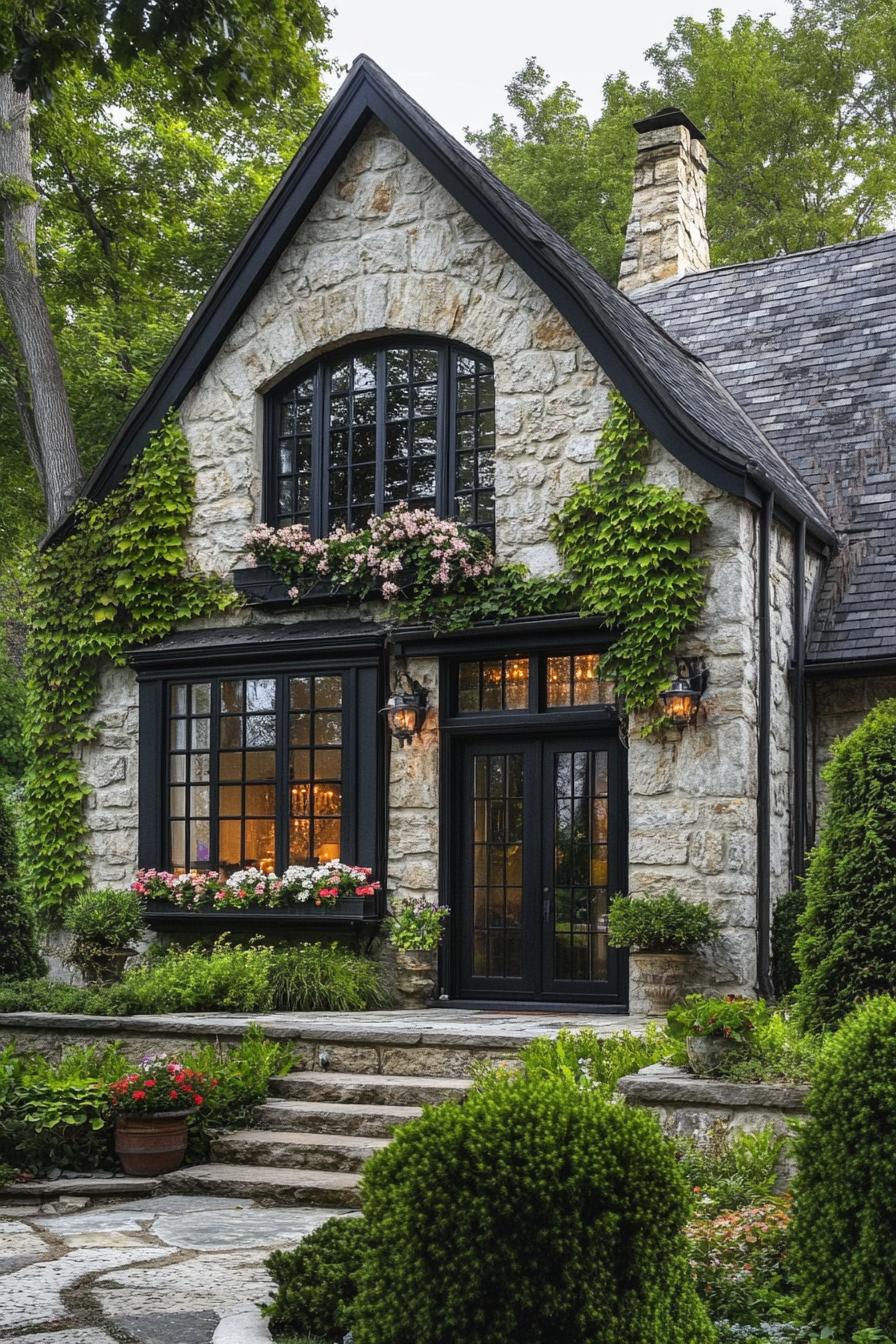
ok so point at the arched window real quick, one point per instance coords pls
(361, 430)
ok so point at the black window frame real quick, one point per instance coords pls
(363, 818)
(319, 370)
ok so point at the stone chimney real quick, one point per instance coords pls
(666, 232)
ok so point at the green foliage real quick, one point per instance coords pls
(660, 923)
(789, 908)
(626, 551)
(417, 925)
(19, 953)
(730, 1173)
(12, 713)
(846, 949)
(229, 979)
(315, 977)
(243, 1073)
(120, 578)
(255, 979)
(318, 1281)
(778, 1053)
(845, 1192)
(733, 1018)
(537, 1210)
(591, 1060)
(106, 919)
(799, 119)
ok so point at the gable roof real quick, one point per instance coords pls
(674, 393)
(807, 345)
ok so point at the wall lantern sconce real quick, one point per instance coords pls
(405, 710)
(681, 701)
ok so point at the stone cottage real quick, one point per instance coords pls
(398, 326)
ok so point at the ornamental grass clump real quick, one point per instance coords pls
(845, 1190)
(846, 948)
(537, 1211)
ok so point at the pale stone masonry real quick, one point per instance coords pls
(666, 234)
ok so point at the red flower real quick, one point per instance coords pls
(150, 1082)
(139, 1095)
(198, 1100)
(173, 1095)
(213, 1083)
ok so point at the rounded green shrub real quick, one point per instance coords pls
(19, 954)
(537, 1211)
(317, 1282)
(785, 930)
(666, 923)
(846, 949)
(105, 924)
(845, 1191)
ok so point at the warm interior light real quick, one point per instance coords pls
(405, 712)
(681, 701)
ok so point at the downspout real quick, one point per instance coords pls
(763, 801)
(800, 782)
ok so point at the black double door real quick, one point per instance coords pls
(541, 839)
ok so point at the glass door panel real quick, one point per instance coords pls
(577, 889)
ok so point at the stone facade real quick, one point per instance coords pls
(386, 249)
(666, 234)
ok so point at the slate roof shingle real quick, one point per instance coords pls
(806, 343)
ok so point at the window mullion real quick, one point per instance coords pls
(319, 455)
(379, 493)
(281, 773)
(445, 434)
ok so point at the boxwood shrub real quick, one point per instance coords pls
(317, 1282)
(845, 1190)
(537, 1211)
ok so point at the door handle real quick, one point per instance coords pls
(546, 905)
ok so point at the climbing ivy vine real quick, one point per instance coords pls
(626, 550)
(120, 578)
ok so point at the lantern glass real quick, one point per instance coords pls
(680, 703)
(405, 714)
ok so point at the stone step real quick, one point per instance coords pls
(286, 1148)
(334, 1117)
(369, 1089)
(268, 1185)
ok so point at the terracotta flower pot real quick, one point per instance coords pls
(662, 976)
(415, 976)
(150, 1145)
(707, 1054)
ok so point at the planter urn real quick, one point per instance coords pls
(415, 976)
(151, 1145)
(662, 977)
(707, 1054)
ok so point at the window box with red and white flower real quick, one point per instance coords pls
(330, 890)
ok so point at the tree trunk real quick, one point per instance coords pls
(59, 467)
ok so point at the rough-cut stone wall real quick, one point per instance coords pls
(836, 707)
(692, 792)
(387, 250)
(666, 233)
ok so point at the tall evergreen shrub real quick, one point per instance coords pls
(846, 949)
(845, 1193)
(537, 1211)
(19, 955)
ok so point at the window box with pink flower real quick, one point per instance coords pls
(329, 892)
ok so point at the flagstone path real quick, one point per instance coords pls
(150, 1271)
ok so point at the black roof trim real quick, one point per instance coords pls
(237, 645)
(679, 401)
(668, 116)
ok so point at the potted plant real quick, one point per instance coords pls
(104, 925)
(415, 929)
(151, 1107)
(714, 1030)
(662, 933)
(342, 888)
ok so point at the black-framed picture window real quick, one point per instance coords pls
(408, 421)
(266, 770)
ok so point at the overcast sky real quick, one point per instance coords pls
(456, 56)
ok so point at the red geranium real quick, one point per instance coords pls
(161, 1085)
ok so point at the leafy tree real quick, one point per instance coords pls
(846, 948)
(237, 54)
(19, 955)
(799, 123)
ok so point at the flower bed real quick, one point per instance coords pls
(298, 889)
